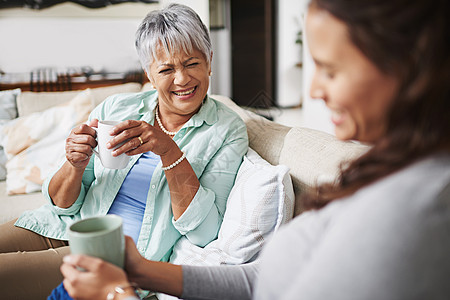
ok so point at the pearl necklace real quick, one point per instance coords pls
(172, 133)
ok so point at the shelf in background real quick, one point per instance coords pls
(49, 80)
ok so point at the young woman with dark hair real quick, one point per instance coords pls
(381, 231)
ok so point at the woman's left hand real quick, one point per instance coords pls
(98, 279)
(139, 137)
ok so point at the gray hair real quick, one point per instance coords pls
(176, 27)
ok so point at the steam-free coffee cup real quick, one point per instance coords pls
(105, 154)
(100, 237)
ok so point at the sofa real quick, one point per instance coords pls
(312, 156)
(48, 116)
(281, 164)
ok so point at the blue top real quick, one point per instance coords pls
(131, 198)
(214, 140)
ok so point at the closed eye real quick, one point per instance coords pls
(192, 64)
(164, 71)
(326, 72)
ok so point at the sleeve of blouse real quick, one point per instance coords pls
(88, 177)
(400, 257)
(201, 221)
(98, 112)
(219, 282)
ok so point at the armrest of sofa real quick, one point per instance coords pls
(265, 137)
(312, 156)
(315, 157)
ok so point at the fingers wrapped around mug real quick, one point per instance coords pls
(97, 279)
(138, 137)
(79, 145)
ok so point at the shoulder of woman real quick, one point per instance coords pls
(129, 98)
(226, 113)
(122, 100)
(409, 194)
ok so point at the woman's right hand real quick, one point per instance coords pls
(133, 261)
(97, 280)
(152, 275)
(79, 144)
(64, 187)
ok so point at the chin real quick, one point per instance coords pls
(344, 136)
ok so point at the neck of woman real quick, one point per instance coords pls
(170, 124)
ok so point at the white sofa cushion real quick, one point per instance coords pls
(261, 199)
(34, 144)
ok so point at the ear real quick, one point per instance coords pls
(210, 63)
(150, 78)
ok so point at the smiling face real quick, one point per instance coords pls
(181, 80)
(358, 94)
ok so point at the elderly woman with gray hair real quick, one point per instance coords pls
(185, 149)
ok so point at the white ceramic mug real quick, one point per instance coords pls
(103, 137)
(100, 237)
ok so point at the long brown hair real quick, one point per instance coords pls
(410, 40)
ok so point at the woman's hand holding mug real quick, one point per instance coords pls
(80, 144)
(139, 137)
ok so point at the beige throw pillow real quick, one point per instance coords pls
(34, 144)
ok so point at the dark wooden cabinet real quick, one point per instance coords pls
(48, 80)
(253, 52)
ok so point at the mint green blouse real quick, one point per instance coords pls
(214, 140)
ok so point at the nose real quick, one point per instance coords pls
(181, 77)
(316, 90)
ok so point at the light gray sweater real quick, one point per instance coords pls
(390, 240)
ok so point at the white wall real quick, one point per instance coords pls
(316, 115)
(221, 80)
(293, 83)
(289, 76)
(65, 43)
(69, 35)
(201, 7)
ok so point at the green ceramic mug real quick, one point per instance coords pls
(100, 237)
